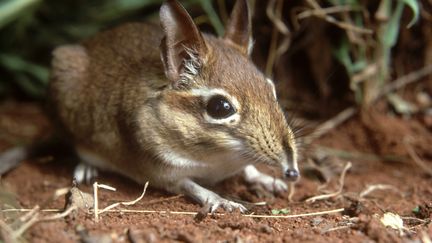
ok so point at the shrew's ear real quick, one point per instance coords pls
(238, 31)
(183, 48)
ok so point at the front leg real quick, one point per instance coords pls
(206, 197)
(254, 176)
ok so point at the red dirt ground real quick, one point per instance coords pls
(375, 132)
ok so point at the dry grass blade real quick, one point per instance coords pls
(326, 11)
(336, 193)
(274, 13)
(126, 203)
(30, 219)
(6, 232)
(338, 210)
(372, 188)
(59, 215)
(291, 188)
(319, 12)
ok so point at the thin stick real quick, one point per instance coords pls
(336, 193)
(416, 158)
(96, 203)
(17, 233)
(405, 80)
(194, 213)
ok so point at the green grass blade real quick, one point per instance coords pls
(16, 64)
(414, 6)
(214, 18)
(12, 9)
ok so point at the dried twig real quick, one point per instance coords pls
(334, 122)
(390, 87)
(336, 193)
(416, 158)
(291, 188)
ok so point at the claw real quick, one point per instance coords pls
(227, 205)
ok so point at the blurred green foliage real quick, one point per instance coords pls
(30, 29)
(368, 61)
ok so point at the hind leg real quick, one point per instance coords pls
(85, 173)
(87, 170)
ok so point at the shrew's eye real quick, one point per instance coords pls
(219, 107)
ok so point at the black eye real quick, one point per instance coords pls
(219, 107)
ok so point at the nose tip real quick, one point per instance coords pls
(292, 174)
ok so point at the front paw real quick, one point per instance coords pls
(215, 202)
(264, 181)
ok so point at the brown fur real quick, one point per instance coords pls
(115, 97)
